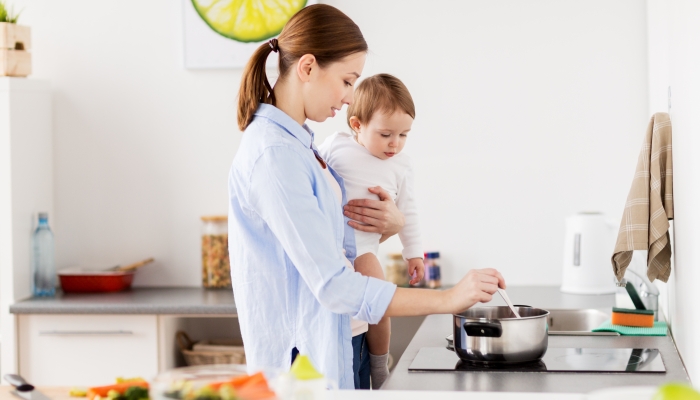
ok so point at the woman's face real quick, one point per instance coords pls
(331, 87)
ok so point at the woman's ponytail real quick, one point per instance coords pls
(255, 88)
(318, 29)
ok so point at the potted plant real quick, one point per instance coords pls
(15, 41)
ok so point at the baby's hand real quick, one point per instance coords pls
(416, 270)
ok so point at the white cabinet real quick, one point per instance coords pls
(94, 349)
(60, 350)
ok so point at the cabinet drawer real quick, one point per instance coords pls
(86, 350)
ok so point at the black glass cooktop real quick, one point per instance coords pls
(555, 360)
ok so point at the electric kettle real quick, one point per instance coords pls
(588, 247)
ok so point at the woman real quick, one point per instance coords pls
(291, 249)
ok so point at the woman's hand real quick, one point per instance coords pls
(378, 216)
(477, 286)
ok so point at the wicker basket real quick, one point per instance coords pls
(206, 352)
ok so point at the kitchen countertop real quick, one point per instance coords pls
(435, 327)
(180, 300)
(58, 393)
(431, 334)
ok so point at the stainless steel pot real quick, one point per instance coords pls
(495, 335)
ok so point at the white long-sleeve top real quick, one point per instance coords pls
(361, 170)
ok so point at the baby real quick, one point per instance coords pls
(380, 118)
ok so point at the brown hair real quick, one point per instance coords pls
(381, 92)
(320, 30)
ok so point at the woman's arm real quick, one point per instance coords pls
(282, 195)
(478, 286)
(378, 216)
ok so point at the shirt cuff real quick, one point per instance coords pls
(412, 252)
(378, 295)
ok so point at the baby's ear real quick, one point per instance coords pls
(355, 124)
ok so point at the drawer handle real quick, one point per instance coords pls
(84, 333)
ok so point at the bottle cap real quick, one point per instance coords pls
(43, 215)
(215, 218)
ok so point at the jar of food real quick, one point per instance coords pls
(432, 269)
(216, 271)
(397, 269)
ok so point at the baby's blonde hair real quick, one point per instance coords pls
(381, 92)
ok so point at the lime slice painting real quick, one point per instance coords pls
(247, 20)
(225, 33)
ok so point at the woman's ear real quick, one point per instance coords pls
(355, 124)
(306, 63)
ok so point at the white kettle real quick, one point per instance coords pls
(588, 247)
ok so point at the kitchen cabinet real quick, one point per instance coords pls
(197, 327)
(90, 339)
(90, 350)
(87, 349)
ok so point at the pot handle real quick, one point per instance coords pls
(483, 329)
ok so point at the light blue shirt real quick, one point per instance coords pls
(286, 236)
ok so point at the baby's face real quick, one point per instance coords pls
(385, 134)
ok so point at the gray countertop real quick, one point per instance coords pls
(432, 333)
(435, 327)
(135, 301)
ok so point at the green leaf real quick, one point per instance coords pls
(8, 15)
(3, 12)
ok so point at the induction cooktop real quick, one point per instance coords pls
(625, 360)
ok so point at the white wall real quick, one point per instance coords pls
(26, 188)
(142, 146)
(526, 112)
(674, 60)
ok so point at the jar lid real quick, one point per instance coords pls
(215, 218)
(395, 256)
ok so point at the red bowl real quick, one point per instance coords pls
(86, 282)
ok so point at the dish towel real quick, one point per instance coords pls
(660, 328)
(649, 205)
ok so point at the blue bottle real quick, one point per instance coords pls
(43, 267)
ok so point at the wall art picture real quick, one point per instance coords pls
(225, 33)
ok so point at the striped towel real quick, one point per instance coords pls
(649, 205)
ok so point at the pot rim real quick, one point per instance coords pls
(482, 319)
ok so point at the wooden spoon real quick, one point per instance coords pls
(507, 300)
(135, 265)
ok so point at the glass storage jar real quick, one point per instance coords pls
(216, 270)
(397, 269)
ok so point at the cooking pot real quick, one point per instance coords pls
(496, 335)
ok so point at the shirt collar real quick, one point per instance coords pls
(302, 132)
